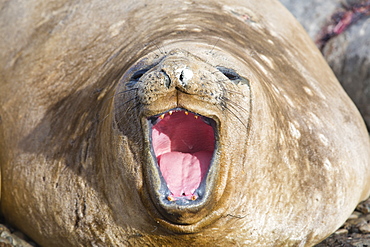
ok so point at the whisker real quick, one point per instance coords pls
(118, 106)
(159, 49)
(109, 98)
(122, 92)
(134, 107)
(102, 120)
(127, 111)
(235, 92)
(236, 105)
(214, 45)
(174, 62)
(125, 91)
(225, 107)
(124, 103)
(228, 90)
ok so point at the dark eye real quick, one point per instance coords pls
(138, 74)
(136, 77)
(229, 73)
(232, 75)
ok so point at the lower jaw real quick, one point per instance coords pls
(192, 216)
(187, 218)
(183, 210)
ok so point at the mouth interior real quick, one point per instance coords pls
(183, 144)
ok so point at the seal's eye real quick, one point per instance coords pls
(232, 75)
(229, 73)
(138, 74)
(136, 77)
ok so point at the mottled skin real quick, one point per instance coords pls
(294, 155)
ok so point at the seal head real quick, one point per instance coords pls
(181, 101)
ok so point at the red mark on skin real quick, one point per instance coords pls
(342, 20)
(344, 23)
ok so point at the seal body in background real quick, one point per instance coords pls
(341, 29)
(157, 123)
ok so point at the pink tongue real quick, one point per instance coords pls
(183, 145)
(184, 171)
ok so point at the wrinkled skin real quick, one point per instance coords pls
(347, 49)
(76, 164)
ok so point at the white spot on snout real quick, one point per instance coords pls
(184, 75)
(187, 74)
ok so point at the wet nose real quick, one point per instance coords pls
(184, 76)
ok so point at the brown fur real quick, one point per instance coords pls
(294, 158)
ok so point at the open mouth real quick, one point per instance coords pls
(183, 144)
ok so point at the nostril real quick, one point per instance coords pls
(185, 76)
(182, 76)
(167, 80)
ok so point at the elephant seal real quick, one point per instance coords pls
(151, 123)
